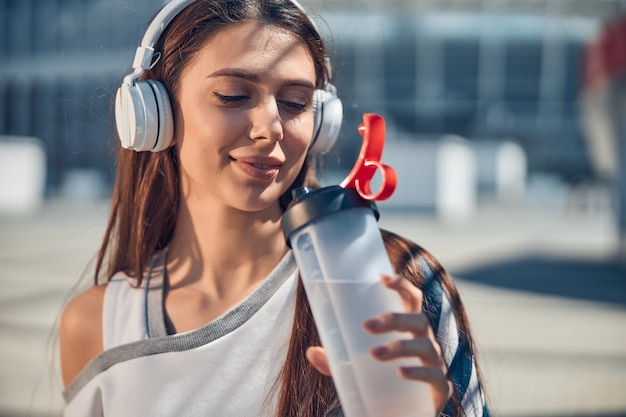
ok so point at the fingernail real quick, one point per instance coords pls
(373, 323)
(390, 279)
(412, 372)
(380, 351)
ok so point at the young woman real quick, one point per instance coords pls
(202, 312)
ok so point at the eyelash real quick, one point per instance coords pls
(232, 100)
(295, 106)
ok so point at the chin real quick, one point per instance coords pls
(256, 202)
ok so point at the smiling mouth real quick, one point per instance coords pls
(257, 170)
(265, 166)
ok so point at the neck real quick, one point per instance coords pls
(223, 249)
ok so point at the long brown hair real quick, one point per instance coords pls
(146, 194)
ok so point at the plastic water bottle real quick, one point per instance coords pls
(339, 250)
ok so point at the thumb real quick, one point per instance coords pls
(316, 355)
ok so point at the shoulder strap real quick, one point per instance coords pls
(156, 283)
(125, 310)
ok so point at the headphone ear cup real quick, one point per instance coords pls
(143, 116)
(328, 116)
(165, 133)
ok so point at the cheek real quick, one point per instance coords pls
(296, 151)
(299, 147)
(198, 145)
(202, 131)
(296, 155)
(300, 136)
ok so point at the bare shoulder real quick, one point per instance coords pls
(80, 332)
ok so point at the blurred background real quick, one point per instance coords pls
(506, 123)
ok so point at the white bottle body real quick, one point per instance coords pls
(341, 258)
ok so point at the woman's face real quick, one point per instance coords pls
(244, 118)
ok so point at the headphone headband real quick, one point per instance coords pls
(145, 50)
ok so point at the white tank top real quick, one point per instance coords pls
(228, 367)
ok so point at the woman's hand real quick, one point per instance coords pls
(423, 344)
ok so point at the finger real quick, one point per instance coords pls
(422, 348)
(417, 324)
(441, 386)
(412, 297)
(316, 355)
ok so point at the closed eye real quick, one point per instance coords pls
(294, 107)
(230, 100)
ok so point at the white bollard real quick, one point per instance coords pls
(456, 179)
(511, 173)
(414, 162)
(22, 174)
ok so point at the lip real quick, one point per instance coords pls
(257, 167)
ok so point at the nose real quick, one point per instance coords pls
(266, 121)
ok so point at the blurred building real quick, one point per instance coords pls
(484, 70)
(60, 61)
(482, 75)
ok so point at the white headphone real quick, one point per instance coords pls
(143, 112)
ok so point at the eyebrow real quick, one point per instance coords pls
(244, 75)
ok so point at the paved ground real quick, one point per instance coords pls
(546, 302)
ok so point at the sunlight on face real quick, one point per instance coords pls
(244, 118)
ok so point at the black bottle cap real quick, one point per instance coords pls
(312, 204)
